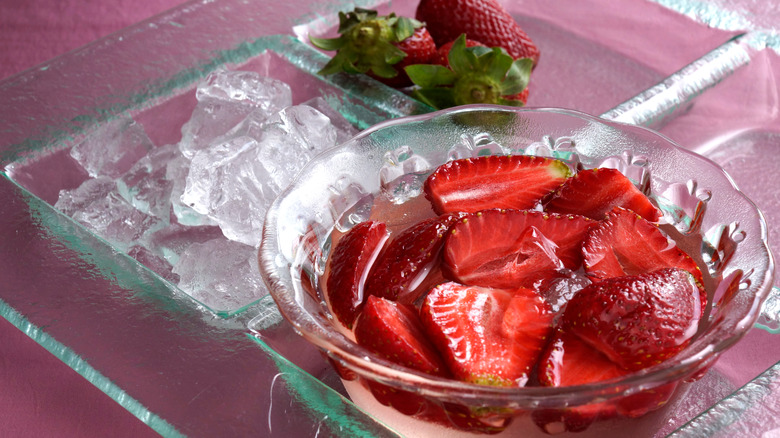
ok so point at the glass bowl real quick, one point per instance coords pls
(386, 165)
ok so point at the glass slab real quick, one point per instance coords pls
(188, 371)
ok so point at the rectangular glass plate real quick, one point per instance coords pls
(187, 371)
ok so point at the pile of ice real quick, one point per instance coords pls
(193, 211)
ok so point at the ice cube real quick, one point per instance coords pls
(154, 262)
(71, 201)
(225, 98)
(234, 182)
(171, 241)
(221, 274)
(344, 129)
(228, 183)
(177, 171)
(403, 174)
(291, 138)
(114, 219)
(113, 149)
(146, 185)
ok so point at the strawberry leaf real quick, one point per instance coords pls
(475, 74)
(368, 43)
(496, 64)
(430, 76)
(404, 27)
(435, 97)
(351, 19)
(327, 43)
(517, 77)
(460, 59)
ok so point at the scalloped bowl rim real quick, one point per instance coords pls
(355, 357)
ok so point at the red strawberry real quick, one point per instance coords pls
(636, 321)
(512, 248)
(594, 192)
(378, 45)
(506, 181)
(569, 361)
(419, 49)
(486, 21)
(393, 331)
(487, 336)
(408, 259)
(627, 244)
(470, 75)
(351, 257)
(444, 51)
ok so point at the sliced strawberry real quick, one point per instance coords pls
(393, 331)
(627, 244)
(349, 262)
(408, 259)
(513, 248)
(637, 321)
(594, 192)
(568, 361)
(473, 184)
(487, 336)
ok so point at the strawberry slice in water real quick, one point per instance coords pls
(349, 262)
(627, 244)
(408, 259)
(506, 181)
(487, 336)
(394, 332)
(637, 321)
(594, 192)
(513, 248)
(569, 361)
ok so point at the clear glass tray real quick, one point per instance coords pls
(185, 370)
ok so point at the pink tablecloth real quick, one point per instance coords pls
(39, 395)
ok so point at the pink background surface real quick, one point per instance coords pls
(39, 395)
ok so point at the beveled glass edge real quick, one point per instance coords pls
(717, 15)
(323, 406)
(83, 368)
(389, 101)
(764, 316)
(5, 313)
(748, 397)
(336, 412)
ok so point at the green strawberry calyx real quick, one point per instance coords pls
(366, 42)
(476, 74)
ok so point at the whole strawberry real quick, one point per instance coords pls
(473, 75)
(380, 46)
(485, 21)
